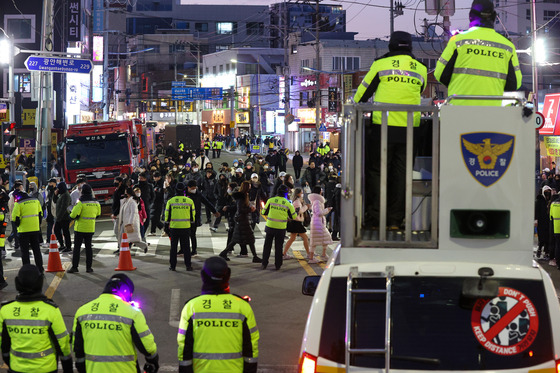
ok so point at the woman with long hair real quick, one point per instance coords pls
(242, 233)
(320, 235)
(295, 227)
(129, 220)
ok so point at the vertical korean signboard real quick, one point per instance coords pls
(98, 20)
(74, 24)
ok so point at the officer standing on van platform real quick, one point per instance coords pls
(86, 211)
(479, 61)
(395, 78)
(33, 330)
(27, 215)
(179, 215)
(217, 330)
(277, 210)
(3, 224)
(107, 330)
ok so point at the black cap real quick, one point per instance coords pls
(400, 41)
(86, 190)
(215, 275)
(120, 285)
(483, 9)
(191, 183)
(29, 279)
(52, 180)
(81, 180)
(282, 190)
(180, 187)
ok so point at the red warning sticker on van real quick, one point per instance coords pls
(507, 324)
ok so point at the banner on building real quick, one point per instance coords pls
(74, 22)
(552, 144)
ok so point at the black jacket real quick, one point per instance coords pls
(297, 161)
(148, 195)
(198, 200)
(242, 233)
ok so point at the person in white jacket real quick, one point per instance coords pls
(320, 235)
(129, 221)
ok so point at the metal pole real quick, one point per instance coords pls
(12, 109)
(232, 108)
(106, 70)
(533, 59)
(198, 108)
(392, 17)
(317, 73)
(259, 119)
(175, 70)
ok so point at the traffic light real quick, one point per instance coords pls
(128, 93)
(18, 109)
(8, 145)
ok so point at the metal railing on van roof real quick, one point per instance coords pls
(421, 189)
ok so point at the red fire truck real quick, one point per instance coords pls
(101, 151)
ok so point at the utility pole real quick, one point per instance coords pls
(317, 73)
(286, 71)
(392, 17)
(43, 121)
(533, 55)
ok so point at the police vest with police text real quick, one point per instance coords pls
(86, 212)
(180, 212)
(105, 333)
(29, 212)
(479, 61)
(400, 79)
(277, 211)
(30, 327)
(224, 334)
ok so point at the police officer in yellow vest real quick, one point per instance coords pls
(277, 210)
(217, 331)
(218, 144)
(479, 61)
(33, 334)
(555, 217)
(85, 212)
(108, 330)
(27, 215)
(179, 215)
(395, 78)
(207, 146)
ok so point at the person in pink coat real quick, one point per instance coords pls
(320, 235)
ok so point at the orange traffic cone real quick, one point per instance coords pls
(54, 264)
(125, 260)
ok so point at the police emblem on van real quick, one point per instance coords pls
(487, 155)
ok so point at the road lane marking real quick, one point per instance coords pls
(303, 263)
(175, 307)
(56, 280)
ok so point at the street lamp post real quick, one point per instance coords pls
(8, 58)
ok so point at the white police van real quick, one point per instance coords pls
(456, 289)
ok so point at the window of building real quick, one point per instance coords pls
(255, 28)
(214, 70)
(23, 82)
(226, 28)
(22, 26)
(528, 14)
(304, 63)
(346, 63)
(154, 6)
(221, 69)
(549, 14)
(227, 67)
(182, 25)
(294, 49)
(201, 26)
(207, 70)
(221, 47)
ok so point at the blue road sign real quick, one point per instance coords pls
(58, 65)
(192, 94)
(178, 83)
(322, 128)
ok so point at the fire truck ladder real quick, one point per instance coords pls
(350, 305)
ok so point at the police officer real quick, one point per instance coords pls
(207, 146)
(395, 78)
(217, 330)
(4, 198)
(86, 211)
(555, 219)
(219, 145)
(34, 334)
(277, 210)
(479, 61)
(107, 330)
(179, 215)
(27, 215)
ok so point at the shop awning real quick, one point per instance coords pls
(550, 112)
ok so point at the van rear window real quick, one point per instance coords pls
(430, 330)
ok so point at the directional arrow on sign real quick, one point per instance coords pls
(58, 64)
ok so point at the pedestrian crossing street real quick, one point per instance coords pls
(209, 243)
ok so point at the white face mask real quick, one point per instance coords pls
(230, 192)
(195, 169)
(266, 167)
(138, 194)
(235, 165)
(331, 168)
(174, 168)
(192, 190)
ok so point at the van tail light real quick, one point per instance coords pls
(557, 366)
(308, 363)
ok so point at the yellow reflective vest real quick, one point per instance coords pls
(394, 79)
(207, 145)
(34, 332)
(555, 216)
(180, 212)
(29, 213)
(86, 212)
(218, 334)
(479, 61)
(106, 331)
(278, 210)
